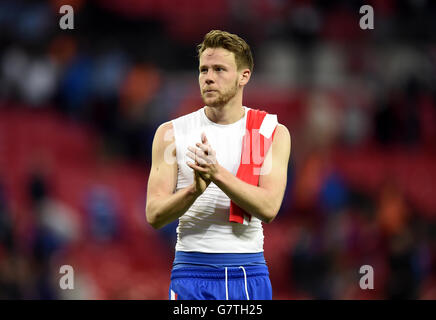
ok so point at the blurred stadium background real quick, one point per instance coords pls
(78, 110)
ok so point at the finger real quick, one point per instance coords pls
(205, 141)
(196, 168)
(197, 158)
(205, 148)
(192, 156)
(195, 150)
(198, 153)
(207, 180)
(204, 138)
(209, 155)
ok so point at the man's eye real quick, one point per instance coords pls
(219, 69)
(203, 70)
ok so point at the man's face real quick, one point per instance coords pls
(218, 76)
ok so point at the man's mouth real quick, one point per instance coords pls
(209, 90)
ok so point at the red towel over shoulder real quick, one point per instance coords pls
(254, 148)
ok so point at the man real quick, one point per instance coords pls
(221, 171)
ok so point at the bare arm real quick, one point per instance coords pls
(163, 205)
(262, 201)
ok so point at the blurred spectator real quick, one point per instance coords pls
(402, 283)
(392, 210)
(37, 187)
(310, 266)
(101, 207)
(14, 64)
(75, 87)
(57, 226)
(39, 81)
(333, 193)
(6, 223)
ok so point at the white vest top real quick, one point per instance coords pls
(205, 227)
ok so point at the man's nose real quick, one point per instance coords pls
(209, 79)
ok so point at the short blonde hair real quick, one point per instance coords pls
(231, 42)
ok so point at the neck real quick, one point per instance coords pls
(226, 114)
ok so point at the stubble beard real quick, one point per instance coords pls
(223, 98)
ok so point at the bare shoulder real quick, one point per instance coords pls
(165, 128)
(166, 125)
(283, 129)
(282, 143)
(164, 134)
(282, 134)
(164, 142)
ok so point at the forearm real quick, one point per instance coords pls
(252, 199)
(164, 209)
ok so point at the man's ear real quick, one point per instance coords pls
(244, 77)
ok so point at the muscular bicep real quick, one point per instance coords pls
(163, 173)
(274, 169)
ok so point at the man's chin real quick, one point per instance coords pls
(212, 102)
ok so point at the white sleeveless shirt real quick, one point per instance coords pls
(205, 227)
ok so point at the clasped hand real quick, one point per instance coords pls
(204, 157)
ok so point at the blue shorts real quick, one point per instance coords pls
(223, 276)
